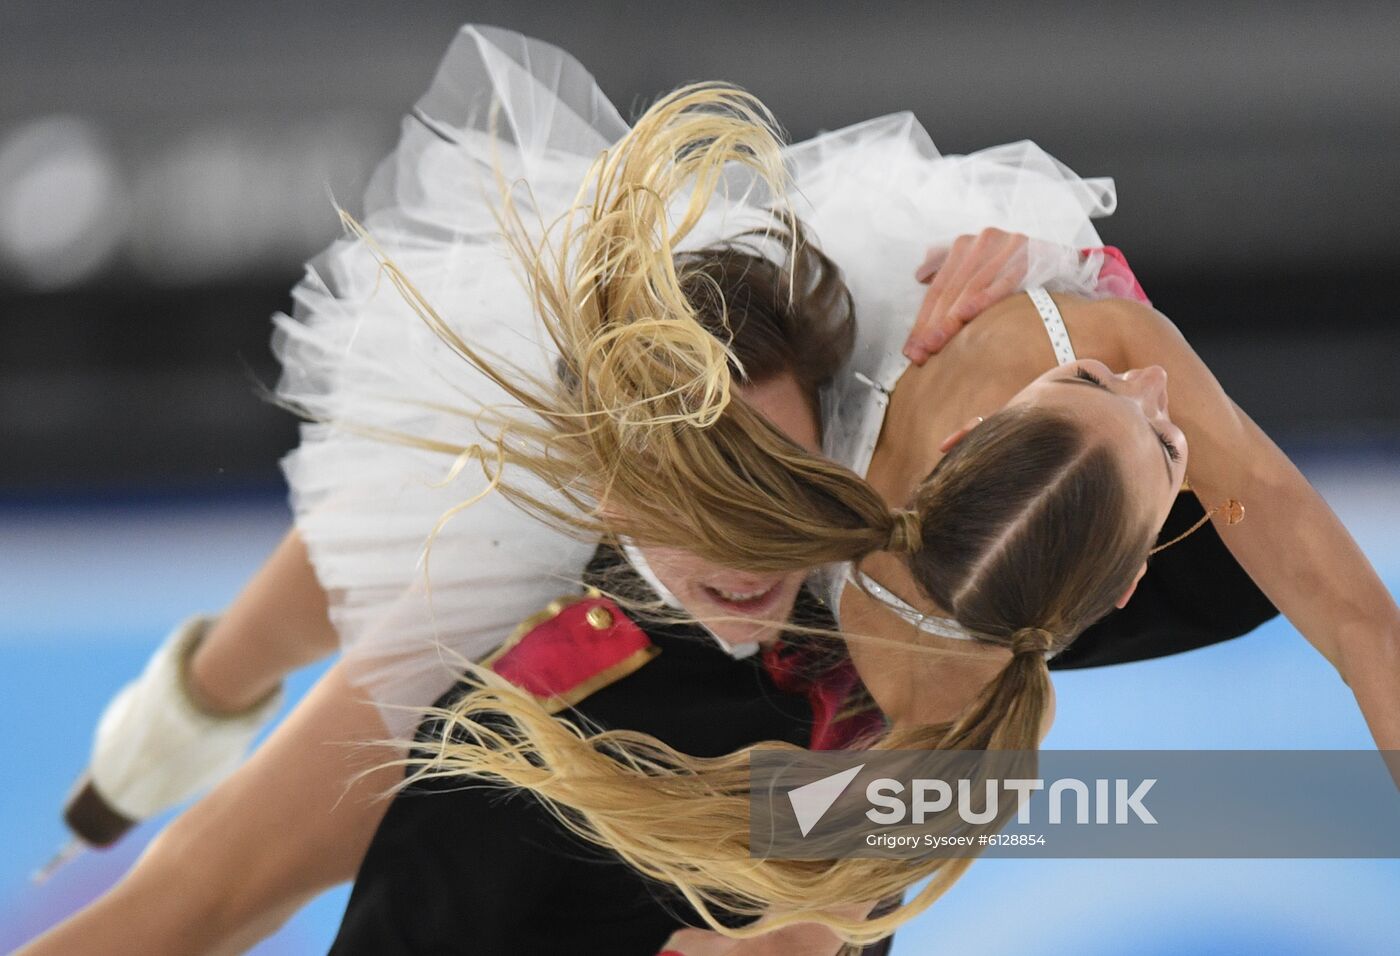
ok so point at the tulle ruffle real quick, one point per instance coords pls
(875, 196)
(353, 351)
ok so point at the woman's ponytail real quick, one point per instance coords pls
(642, 437)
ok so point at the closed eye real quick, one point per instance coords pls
(1082, 374)
(1173, 452)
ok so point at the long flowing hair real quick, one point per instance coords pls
(1023, 532)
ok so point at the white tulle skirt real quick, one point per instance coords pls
(875, 197)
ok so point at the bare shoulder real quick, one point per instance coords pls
(1120, 333)
(1012, 333)
(1007, 345)
(1007, 338)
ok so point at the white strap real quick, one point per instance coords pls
(870, 383)
(1054, 324)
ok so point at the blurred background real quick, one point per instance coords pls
(165, 168)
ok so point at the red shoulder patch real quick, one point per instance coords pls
(572, 649)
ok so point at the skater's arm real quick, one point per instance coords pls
(278, 623)
(187, 720)
(796, 939)
(1291, 543)
(807, 939)
(229, 871)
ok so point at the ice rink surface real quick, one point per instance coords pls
(87, 592)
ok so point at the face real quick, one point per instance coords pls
(742, 606)
(1129, 412)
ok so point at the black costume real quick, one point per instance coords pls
(488, 870)
(1194, 594)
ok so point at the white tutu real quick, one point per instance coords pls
(354, 351)
(875, 196)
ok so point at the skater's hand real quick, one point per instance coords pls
(698, 942)
(972, 275)
(806, 939)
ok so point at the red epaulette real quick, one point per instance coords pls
(571, 649)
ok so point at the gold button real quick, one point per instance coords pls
(600, 617)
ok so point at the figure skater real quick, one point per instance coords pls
(990, 502)
(1089, 266)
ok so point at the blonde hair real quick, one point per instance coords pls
(642, 416)
(642, 436)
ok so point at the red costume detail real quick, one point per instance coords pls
(1118, 275)
(566, 654)
(573, 652)
(797, 670)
